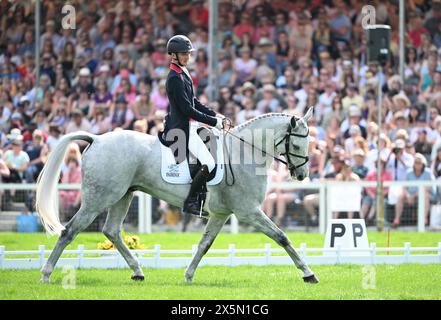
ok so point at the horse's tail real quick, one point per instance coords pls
(47, 197)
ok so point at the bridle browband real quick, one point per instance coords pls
(287, 153)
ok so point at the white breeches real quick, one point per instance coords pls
(198, 148)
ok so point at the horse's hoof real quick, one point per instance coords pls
(188, 279)
(137, 277)
(310, 279)
(44, 280)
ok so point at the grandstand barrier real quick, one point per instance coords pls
(157, 257)
(144, 203)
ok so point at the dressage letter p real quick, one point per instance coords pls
(335, 234)
(357, 231)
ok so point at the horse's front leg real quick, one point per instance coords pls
(214, 225)
(261, 222)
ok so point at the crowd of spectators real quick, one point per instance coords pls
(274, 56)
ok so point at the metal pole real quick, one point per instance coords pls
(402, 27)
(380, 195)
(37, 49)
(213, 54)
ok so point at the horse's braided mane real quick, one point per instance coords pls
(263, 116)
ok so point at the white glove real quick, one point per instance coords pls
(220, 116)
(219, 123)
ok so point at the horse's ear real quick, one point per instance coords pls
(293, 122)
(308, 114)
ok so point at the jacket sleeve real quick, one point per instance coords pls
(181, 100)
(202, 108)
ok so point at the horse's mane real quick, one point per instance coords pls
(260, 117)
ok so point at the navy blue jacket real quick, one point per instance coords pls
(183, 105)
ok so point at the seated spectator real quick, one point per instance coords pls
(248, 112)
(245, 66)
(159, 97)
(358, 167)
(121, 115)
(54, 136)
(399, 161)
(409, 195)
(436, 164)
(140, 126)
(422, 145)
(78, 122)
(346, 174)
(268, 103)
(4, 173)
(70, 199)
(37, 151)
(368, 203)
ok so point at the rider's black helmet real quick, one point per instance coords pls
(179, 44)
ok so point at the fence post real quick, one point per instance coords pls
(322, 209)
(407, 252)
(148, 212)
(439, 251)
(338, 253)
(2, 254)
(231, 248)
(303, 250)
(234, 224)
(80, 255)
(328, 202)
(421, 207)
(373, 252)
(41, 249)
(194, 250)
(157, 254)
(267, 253)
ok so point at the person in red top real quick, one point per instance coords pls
(368, 207)
(244, 26)
(416, 28)
(199, 14)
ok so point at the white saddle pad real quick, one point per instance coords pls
(180, 173)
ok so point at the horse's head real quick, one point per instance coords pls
(297, 146)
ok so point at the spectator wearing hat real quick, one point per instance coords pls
(358, 167)
(248, 112)
(83, 82)
(399, 124)
(78, 122)
(121, 115)
(418, 172)
(268, 103)
(354, 115)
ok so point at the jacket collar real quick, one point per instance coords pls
(176, 68)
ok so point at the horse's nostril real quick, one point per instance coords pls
(300, 178)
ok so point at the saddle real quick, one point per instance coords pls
(176, 169)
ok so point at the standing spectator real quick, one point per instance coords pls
(399, 161)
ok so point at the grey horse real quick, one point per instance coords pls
(116, 164)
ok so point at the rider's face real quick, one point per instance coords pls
(184, 58)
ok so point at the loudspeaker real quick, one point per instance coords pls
(378, 46)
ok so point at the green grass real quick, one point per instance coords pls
(407, 281)
(245, 282)
(31, 241)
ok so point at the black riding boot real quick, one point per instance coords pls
(198, 186)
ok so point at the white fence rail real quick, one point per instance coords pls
(322, 187)
(157, 257)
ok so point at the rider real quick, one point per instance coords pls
(184, 110)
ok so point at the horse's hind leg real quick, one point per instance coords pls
(80, 221)
(261, 222)
(112, 230)
(214, 225)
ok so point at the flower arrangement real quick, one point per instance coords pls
(133, 242)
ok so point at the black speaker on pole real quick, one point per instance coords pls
(378, 46)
